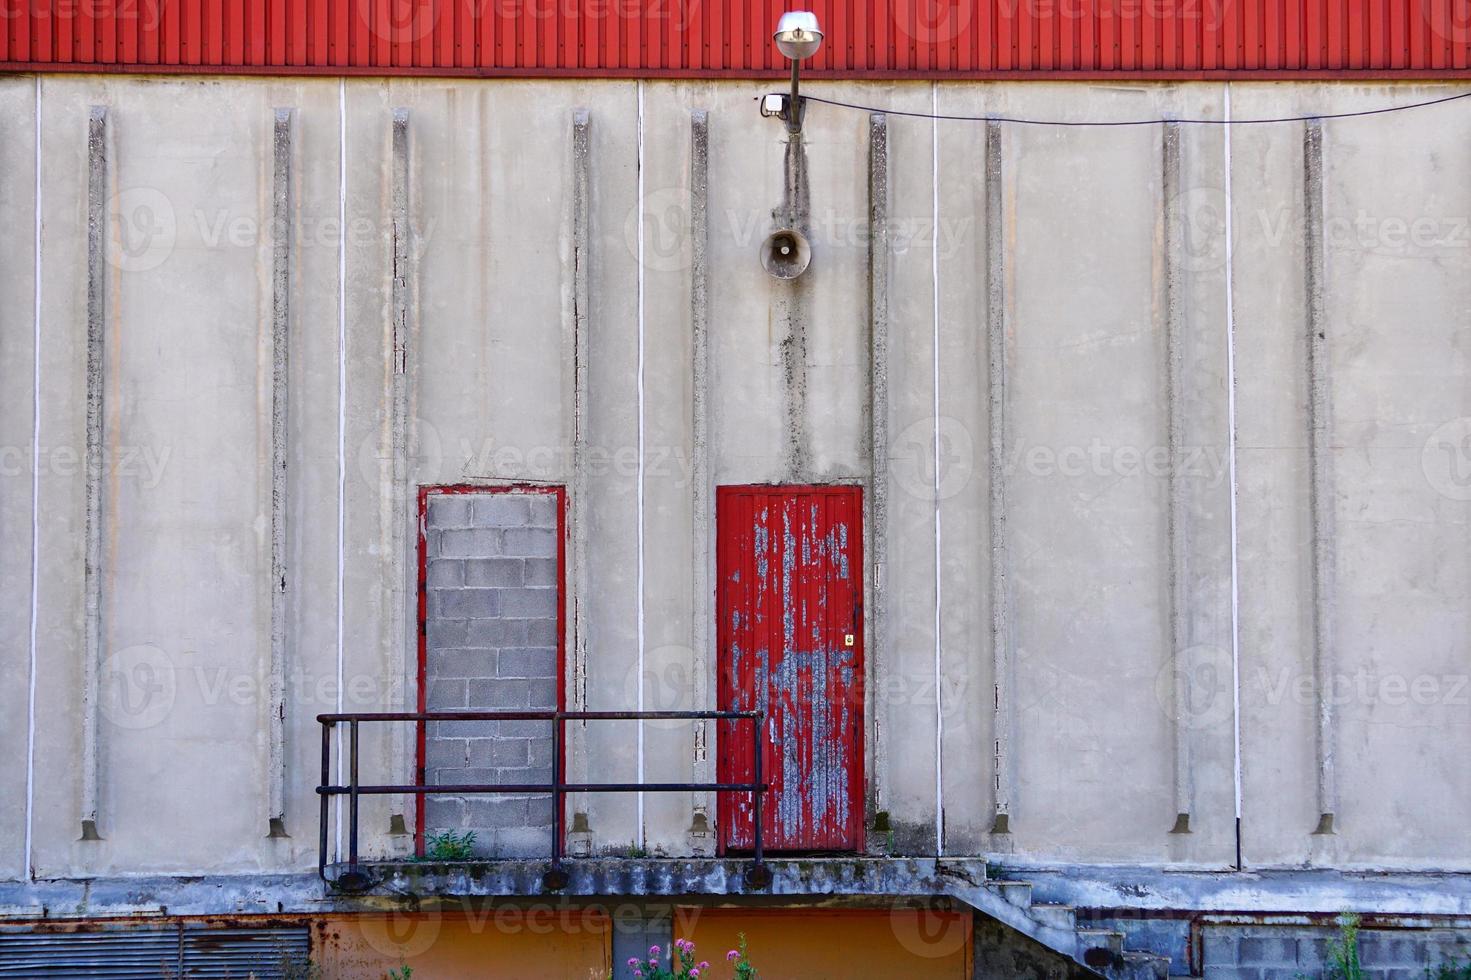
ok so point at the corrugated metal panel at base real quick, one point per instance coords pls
(154, 952)
(926, 38)
(123, 954)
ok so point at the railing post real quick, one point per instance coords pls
(325, 798)
(556, 877)
(352, 799)
(353, 879)
(758, 875)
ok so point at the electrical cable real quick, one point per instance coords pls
(1020, 121)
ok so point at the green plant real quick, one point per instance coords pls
(684, 966)
(1343, 952)
(743, 968)
(447, 845)
(1449, 972)
(404, 972)
(634, 851)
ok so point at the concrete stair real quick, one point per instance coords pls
(1100, 951)
(1103, 950)
(1018, 893)
(1100, 940)
(1139, 965)
(1063, 917)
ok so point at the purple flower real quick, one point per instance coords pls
(704, 964)
(732, 956)
(653, 951)
(695, 972)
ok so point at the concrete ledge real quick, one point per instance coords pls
(412, 883)
(148, 896)
(1091, 887)
(1294, 891)
(676, 876)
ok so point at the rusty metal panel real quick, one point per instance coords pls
(265, 953)
(789, 595)
(117, 953)
(893, 38)
(181, 950)
(471, 940)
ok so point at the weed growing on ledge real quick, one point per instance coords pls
(449, 846)
(1343, 952)
(1343, 957)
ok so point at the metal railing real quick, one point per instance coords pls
(354, 878)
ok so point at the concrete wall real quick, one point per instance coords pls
(1053, 303)
(1254, 952)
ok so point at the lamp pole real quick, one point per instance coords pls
(797, 37)
(794, 102)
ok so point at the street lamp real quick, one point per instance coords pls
(797, 37)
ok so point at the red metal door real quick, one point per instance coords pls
(789, 563)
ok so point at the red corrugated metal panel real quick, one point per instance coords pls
(789, 564)
(913, 38)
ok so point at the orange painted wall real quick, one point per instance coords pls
(570, 944)
(802, 944)
(551, 943)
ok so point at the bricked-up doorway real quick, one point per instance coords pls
(491, 628)
(789, 597)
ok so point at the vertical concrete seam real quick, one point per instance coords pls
(935, 449)
(33, 625)
(701, 490)
(399, 565)
(280, 433)
(878, 395)
(97, 182)
(641, 470)
(581, 303)
(1176, 516)
(1320, 461)
(996, 326)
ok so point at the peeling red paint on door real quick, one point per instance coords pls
(789, 598)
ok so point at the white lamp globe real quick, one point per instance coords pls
(798, 35)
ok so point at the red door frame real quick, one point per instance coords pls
(858, 784)
(560, 494)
